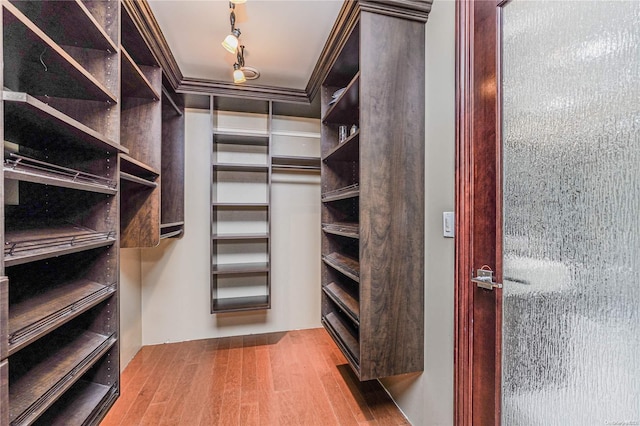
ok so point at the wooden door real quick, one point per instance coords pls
(567, 159)
(478, 311)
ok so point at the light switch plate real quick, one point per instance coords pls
(448, 224)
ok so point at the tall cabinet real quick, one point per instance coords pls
(60, 354)
(83, 130)
(373, 189)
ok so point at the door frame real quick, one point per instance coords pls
(478, 312)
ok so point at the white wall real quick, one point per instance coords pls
(176, 292)
(130, 305)
(427, 398)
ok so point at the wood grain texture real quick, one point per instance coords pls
(291, 378)
(382, 54)
(172, 163)
(4, 317)
(4, 392)
(391, 196)
(477, 311)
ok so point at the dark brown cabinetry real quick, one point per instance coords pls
(373, 189)
(83, 130)
(240, 193)
(59, 305)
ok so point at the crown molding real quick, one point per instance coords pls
(142, 16)
(218, 88)
(140, 11)
(415, 10)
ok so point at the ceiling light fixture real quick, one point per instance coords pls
(231, 43)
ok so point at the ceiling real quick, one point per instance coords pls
(283, 39)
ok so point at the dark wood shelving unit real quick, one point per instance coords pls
(44, 242)
(241, 137)
(141, 133)
(345, 229)
(348, 266)
(68, 23)
(344, 300)
(240, 236)
(27, 118)
(373, 198)
(241, 268)
(32, 318)
(345, 151)
(21, 168)
(344, 336)
(134, 83)
(238, 166)
(36, 390)
(23, 44)
(138, 180)
(346, 107)
(80, 88)
(350, 191)
(237, 304)
(172, 165)
(80, 405)
(293, 163)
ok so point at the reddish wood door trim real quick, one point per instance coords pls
(477, 312)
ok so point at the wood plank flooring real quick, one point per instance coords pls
(290, 378)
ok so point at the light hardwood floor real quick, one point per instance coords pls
(289, 378)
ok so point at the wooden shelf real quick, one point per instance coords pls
(27, 119)
(134, 167)
(171, 225)
(241, 268)
(241, 137)
(68, 23)
(170, 234)
(347, 151)
(344, 300)
(344, 336)
(32, 318)
(80, 405)
(166, 96)
(346, 265)
(346, 108)
(345, 229)
(235, 304)
(37, 241)
(62, 76)
(21, 168)
(33, 392)
(232, 167)
(241, 205)
(350, 191)
(134, 83)
(137, 180)
(240, 236)
(294, 163)
(133, 41)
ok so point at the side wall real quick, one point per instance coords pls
(175, 275)
(130, 304)
(427, 398)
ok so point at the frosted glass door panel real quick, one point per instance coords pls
(571, 155)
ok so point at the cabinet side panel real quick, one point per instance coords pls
(391, 195)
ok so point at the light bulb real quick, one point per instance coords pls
(230, 43)
(238, 75)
